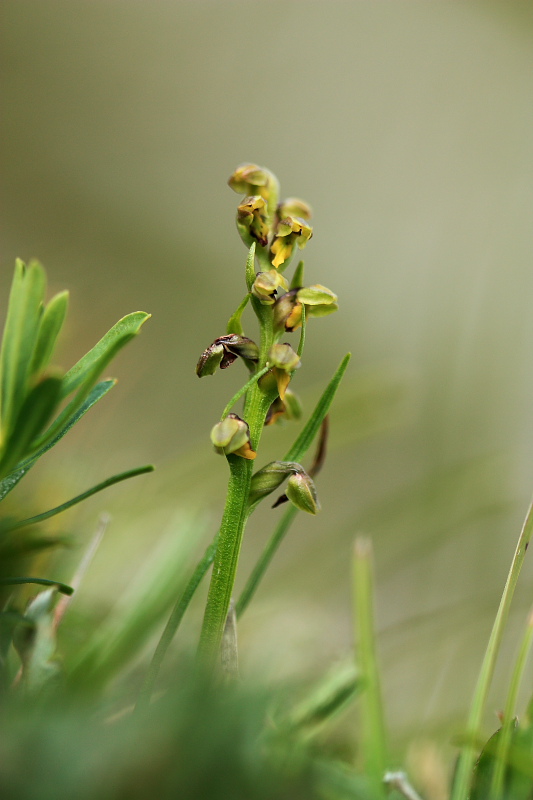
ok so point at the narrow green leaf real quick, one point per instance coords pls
(304, 440)
(18, 343)
(34, 414)
(132, 473)
(50, 326)
(504, 742)
(86, 372)
(61, 587)
(173, 624)
(373, 744)
(331, 695)
(116, 337)
(11, 480)
(234, 323)
(467, 756)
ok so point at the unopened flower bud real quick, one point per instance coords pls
(267, 479)
(266, 285)
(294, 207)
(232, 435)
(301, 491)
(251, 218)
(290, 231)
(251, 179)
(283, 357)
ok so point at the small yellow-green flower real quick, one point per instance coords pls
(251, 218)
(290, 231)
(319, 301)
(251, 179)
(294, 207)
(284, 361)
(266, 285)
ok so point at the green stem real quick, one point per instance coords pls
(467, 757)
(504, 740)
(226, 559)
(373, 744)
(236, 510)
(264, 560)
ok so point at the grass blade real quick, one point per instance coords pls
(34, 414)
(504, 740)
(18, 343)
(373, 737)
(104, 350)
(50, 326)
(83, 375)
(467, 756)
(327, 699)
(305, 439)
(123, 476)
(61, 587)
(10, 481)
(173, 624)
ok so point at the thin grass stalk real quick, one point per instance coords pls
(373, 737)
(504, 741)
(173, 624)
(467, 756)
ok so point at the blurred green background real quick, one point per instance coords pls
(407, 126)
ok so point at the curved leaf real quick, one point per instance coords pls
(122, 476)
(18, 343)
(85, 373)
(34, 414)
(11, 480)
(49, 328)
(61, 587)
